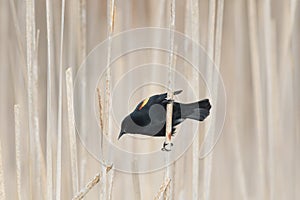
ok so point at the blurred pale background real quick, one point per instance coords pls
(255, 43)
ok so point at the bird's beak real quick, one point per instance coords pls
(121, 133)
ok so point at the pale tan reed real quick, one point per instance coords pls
(205, 193)
(91, 184)
(257, 87)
(170, 171)
(72, 134)
(2, 181)
(162, 189)
(50, 59)
(60, 106)
(18, 150)
(36, 171)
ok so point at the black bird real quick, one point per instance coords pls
(149, 117)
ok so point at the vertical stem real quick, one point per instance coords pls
(82, 55)
(72, 134)
(49, 14)
(2, 189)
(171, 75)
(19, 39)
(209, 78)
(18, 150)
(169, 194)
(271, 109)
(194, 20)
(218, 43)
(257, 85)
(162, 189)
(237, 110)
(32, 56)
(88, 187)
(29, 45)
(59, 118)
(136, 181)
(107, 179)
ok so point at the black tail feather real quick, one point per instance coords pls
(198, 110)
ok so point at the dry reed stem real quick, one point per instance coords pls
(40, 155)
(266, 12)
(218, 43)
(19, 39)
(171, 75)
(162, 189)
(211, 36)
(274, 100)
(107, 120)
(2, 181)
(72, 134)
(49, 15)
(193, 19)
(18, 150)
(29, 40)
(239, 158)
(88, 187)
(82, 30)
(286, 37)
(209, 78)
(168, 193)
(82, 47)
(107, 99)
(240, 37)
(136, 181)
(32, 88)
(217, 61)
(91, 184)
(60, 107)
(110, 184)
(257, 87)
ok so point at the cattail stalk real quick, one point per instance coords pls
(257, 87)
(88, 187)
(19, 39)
(209, 78)
(107, 120)
(271, 109)
(162, 189)
(60, 107)
(2, 183)
(82, 46)
(171, 75)
(136, 181)
(49, 14)
(91, 184)
(72, 134)
(32, 88)
(240, 37)
(18, 150)
(193, 29)
(168, 193)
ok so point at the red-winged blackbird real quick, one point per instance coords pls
(149, 117)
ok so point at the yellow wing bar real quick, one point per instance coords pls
(144, 103)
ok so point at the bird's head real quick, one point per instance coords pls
(124, 126)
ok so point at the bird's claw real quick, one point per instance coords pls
(166, 144)
(168, 101)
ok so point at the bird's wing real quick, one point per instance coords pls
(155, 99)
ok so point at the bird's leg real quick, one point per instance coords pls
(168, 145)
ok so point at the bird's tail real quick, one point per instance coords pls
(197, 110)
